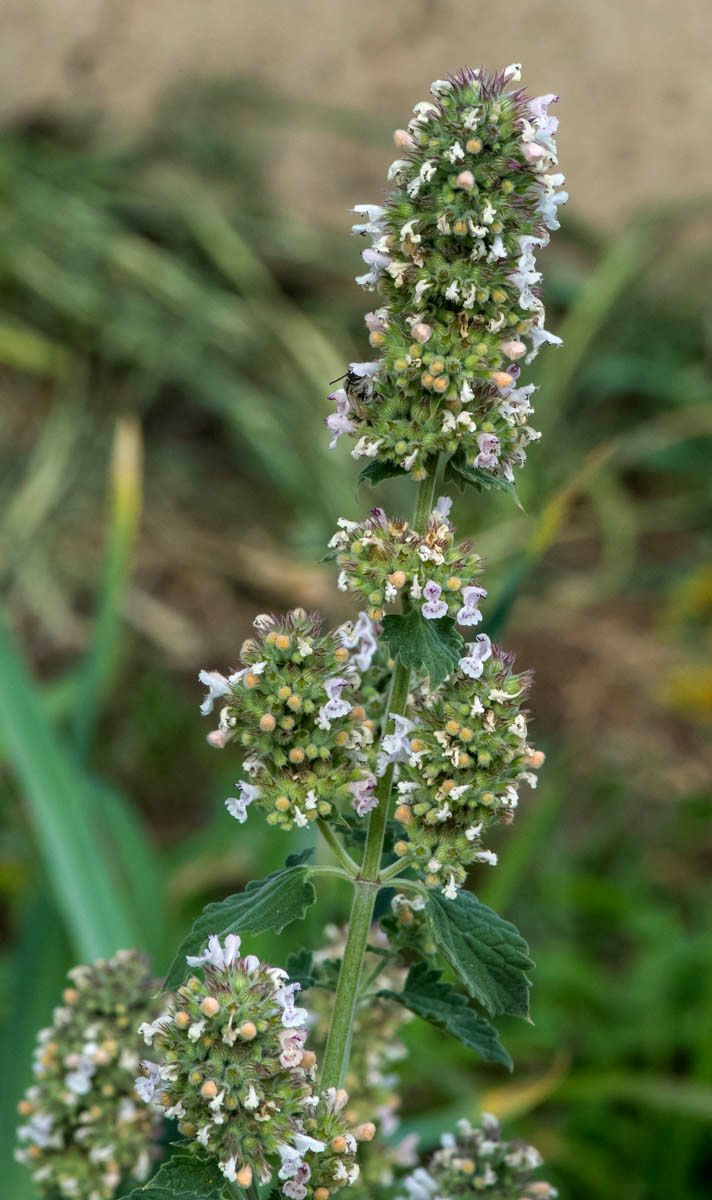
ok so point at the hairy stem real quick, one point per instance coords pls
(366, 884)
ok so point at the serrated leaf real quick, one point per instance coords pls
(459, 472)
(488, 953)
(428, 997)
(183, 1177)
(270, 903)
(432, 648)
(377, 471)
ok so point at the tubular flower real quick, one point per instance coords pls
(383, 560)
(453, 258)
(85, 1130)
(468, 756)
(291, 708)
(230, 1063)
(476, 1162)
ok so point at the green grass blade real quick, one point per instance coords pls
(57, 796)
(124, 516)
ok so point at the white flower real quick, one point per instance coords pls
(486, 856)
(434, 607)
(237, 805)
(217, 686)
(214, 955)
(478, 653)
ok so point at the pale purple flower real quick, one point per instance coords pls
(488, 457)
(363, 635)
(146, 1084)
(364, 799)
(217, 686)
(443, 506)
(470, 613)
(237, 805)
(377, 262)
(291, 1015)
(434, 607)
(335, 707)
(339, 422)
(478, 653)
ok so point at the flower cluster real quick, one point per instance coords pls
(291, 708)
(453, 256)
(461, 765)
(384, 559)
(478, 1161)
(84, 1129)
(232, 1068)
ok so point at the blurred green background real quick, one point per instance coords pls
(168, 330)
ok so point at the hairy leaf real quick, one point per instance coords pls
(487, 952)
(428, 647)
(426, 995)
(377, 471)
(270, 903)
(183, 1177)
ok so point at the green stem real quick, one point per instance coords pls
(350, 866)
(366, 884)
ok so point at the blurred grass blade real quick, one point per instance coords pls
(124, 516)
(38, 967)
(58, 799)
(136, 871)
(29, 350)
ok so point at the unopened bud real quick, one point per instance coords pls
(209, 1006)
(502, 379)
(244, 1176)
(421, 332)
(248, 1031)
(403, 140)
(513, 348)
(209, 1089)
(365, 1132)
(465, 180)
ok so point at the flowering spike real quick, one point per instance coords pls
(453, 258)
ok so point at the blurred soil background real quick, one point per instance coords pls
(176, 295)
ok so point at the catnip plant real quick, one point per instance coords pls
(400, 738)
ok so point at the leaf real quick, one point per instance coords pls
(183, 1177)
(270, 903)
(430, 647)
(378, 470)
(487, 952)
(425, 995)
(459, 472)
(300, 968)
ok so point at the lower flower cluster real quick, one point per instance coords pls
(84, 1128)
(463, 759)
(232, 1068)
(478, 1161)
